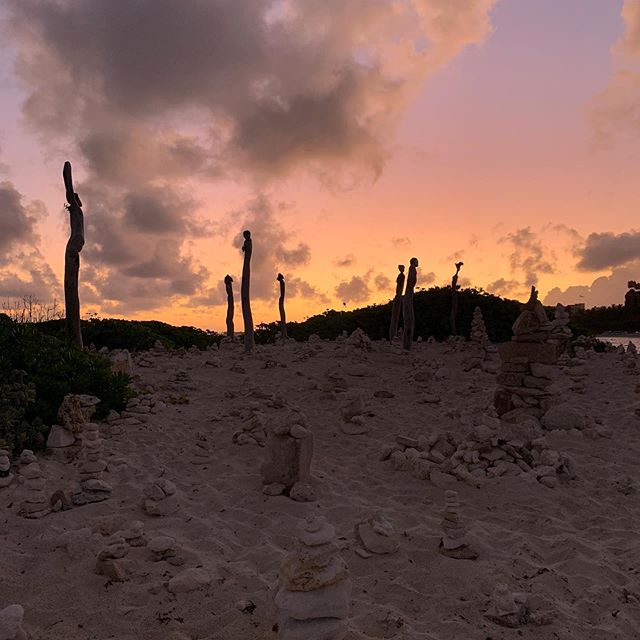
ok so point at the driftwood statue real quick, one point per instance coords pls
(454, 299)
(407, 311)
(283, 317)
(72, 259)
(228, 285)
(247, 249)
(396, 307)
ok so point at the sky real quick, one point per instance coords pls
(347, 135)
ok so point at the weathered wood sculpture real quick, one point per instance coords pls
(454, 299)
(407, 312)
(283, 317)
(247, 249)
(228, 285)
(72, 259)
(396, 307)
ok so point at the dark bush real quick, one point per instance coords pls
(38, 370)
(135, 335)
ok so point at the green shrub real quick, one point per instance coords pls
(38, 371)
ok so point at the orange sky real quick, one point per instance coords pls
(501, 133)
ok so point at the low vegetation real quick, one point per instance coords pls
(36, 372)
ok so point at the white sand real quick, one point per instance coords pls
(576, 546)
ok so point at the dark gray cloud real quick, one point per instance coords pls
(17, 220)
(260, 85)
(505, 287)
(354, 290)
(23, 269)
(604, 250)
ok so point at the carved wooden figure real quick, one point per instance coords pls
(407, 312)
(396, 307)
(247, 249)
(72, 259)
(283, 317)
(228, 285)
(454, 299)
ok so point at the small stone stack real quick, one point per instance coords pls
(560, 332)
(109, 561)
(314, 591)
(35, 504)
(5, 469)
(353, 411)
(454, 542)
(359, 342)
(288, 454)
(11, 623)
(479, 336)
(522, 384)
(254, 426)
(74, 412)
(92, 487)
(160, 497)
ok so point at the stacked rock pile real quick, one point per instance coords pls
(160, 497)
(288, 454)
(490, 450)
(92, 487)
(254, 426)
(314, 589)
(74, 412)
(522, 383)
(35, 503)
(454, 542)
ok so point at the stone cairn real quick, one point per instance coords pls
(454, 542)
(288, 454)
(254, 426)
(353, 410)
(522, 383)
(479, 336)
(407, 307)
(376, 536)
(92, 487)
(160, 497)
(11, 623)
(6, 476)
(560, 332)
(74, 412)
(35, 503)
(491, 449)
(314, 590)
(396, 308)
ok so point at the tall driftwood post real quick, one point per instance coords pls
(228, 285)
(72, 259)
(283, 317)
(247, 249)
(407, 311)
(396, 307)
(454, 299)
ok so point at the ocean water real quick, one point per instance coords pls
(621, 340)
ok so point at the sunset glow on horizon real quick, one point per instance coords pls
(348, 136)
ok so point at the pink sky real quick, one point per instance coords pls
(348, 136)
